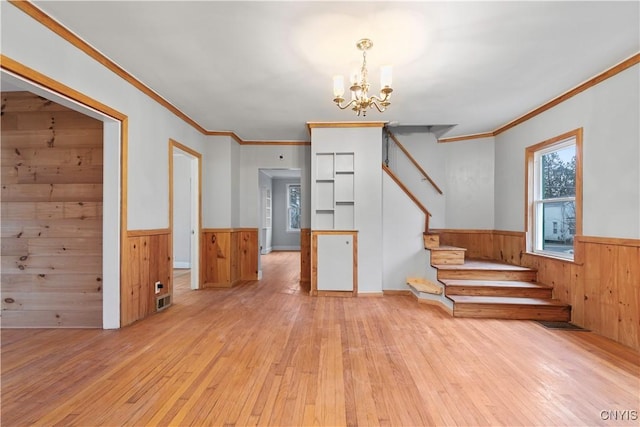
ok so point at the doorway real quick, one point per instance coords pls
(110, 233)
(185, 216)
(280, 199)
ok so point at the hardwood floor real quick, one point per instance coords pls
(267, 353)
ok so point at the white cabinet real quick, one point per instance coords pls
(333, 263)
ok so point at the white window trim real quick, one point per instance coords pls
(535, 203)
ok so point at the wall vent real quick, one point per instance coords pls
(163, 302)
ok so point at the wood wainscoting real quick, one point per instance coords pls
(51, 215)
(602, 284)
(147, 259)
(229, 255)
(305, 256)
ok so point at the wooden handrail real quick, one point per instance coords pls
(415, 163)
(415, 200)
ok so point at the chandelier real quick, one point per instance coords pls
(360, 99)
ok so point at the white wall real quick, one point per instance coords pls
(181, 211)
(366, 143)
(463, 170)
(216, 182)
(254, 157)
(469, 184)
(403, 246)
(608, 113)
(234, 184)
(424, 148)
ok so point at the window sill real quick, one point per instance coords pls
(571, 260)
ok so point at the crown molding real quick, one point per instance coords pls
(616, 69)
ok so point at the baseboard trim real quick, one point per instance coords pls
(370, 294)
(392, 292)
(285, 248)
(181, 264)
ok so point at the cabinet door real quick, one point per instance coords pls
(335, 262)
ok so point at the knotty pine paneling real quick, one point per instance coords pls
(248, 251)
(305, 256)
(51, 156)
(602, 286)
(216, 258)
(51, 205)
(228, 256)
(21, 174)
(147, 261)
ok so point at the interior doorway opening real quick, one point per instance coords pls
(280, 217)
(111, 189)
(185, 217)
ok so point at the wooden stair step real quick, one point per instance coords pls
(447, 255)
(510, 308)
(424, 285)
(485, 270)
(431, 240)
(507, 288)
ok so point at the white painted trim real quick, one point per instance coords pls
(266, 251)
(285, 248)
(111, 225)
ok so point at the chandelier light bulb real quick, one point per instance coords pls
(338, 86)
(385, 76)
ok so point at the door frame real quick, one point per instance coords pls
(196, 209)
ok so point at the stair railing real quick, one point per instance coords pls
(408, 192)
(402, 148)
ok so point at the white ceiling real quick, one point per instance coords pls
(264, 69)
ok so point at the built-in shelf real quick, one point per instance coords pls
(334, 191)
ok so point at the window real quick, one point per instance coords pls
(554, 195)
(293, 207)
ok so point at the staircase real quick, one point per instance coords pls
(491, 289)
(475, 288)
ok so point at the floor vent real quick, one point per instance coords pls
(163, 302)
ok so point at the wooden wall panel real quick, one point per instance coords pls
(228, 256)
(602, 285)
(305, 256)
(148, 259)
(479, 243)
(51, 204)
(248, 251)
(508, 246)
(216, 253)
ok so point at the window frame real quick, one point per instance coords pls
(532, 210)
(288, 207)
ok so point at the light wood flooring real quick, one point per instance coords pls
(267, 353)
